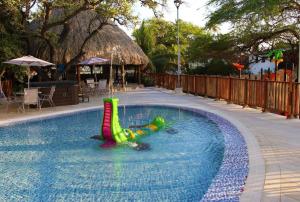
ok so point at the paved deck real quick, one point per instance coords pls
(274, 177)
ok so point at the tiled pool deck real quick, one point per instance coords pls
(273, 142)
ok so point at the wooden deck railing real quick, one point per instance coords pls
(273, 96)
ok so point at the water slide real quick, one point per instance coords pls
(112, 132)
(106, 125)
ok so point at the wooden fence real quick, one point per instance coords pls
(273, 96)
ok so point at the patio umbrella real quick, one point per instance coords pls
(29, 61)
(93, 61)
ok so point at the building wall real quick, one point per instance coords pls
(255, 68)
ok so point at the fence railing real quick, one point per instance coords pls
(273, 96)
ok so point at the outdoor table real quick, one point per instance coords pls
(21, 93)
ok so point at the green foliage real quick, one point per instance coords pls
(16, 18)
(145, 38)
(214, 67)
(259, 25)
(207, 47)
(277, 54)
(147, 81)
(158, 39)
(12, 43)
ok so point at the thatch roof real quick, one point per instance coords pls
(100, 45)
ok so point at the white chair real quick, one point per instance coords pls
(48, 98)
(91, 85)
(31, 97)
(102, 87)
(84, 92)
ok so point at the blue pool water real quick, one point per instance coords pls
(55, 159)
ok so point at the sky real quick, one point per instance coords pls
(194, 11)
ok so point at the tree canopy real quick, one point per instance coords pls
(259, 25)
(200, 49)
(19, 17)
(158, 39)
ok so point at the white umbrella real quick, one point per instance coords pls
(29, 61)
(94, 61)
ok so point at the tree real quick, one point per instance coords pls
(10, 39)
(214, 67)
(44, 16)
(144, 36)
(259, 25)
(158, 38)
(207, 47)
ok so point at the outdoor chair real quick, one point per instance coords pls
(48, 97)
(91, 85)
(31, 97)
(84, 93)
(102, 87)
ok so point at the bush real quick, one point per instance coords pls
(148, 82)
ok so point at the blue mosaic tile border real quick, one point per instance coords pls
(229, 183)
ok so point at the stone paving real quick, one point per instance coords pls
(273, 141)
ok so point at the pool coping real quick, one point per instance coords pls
(256, 175)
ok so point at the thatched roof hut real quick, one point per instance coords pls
(101, 44)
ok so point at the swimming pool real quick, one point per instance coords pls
(55, 160)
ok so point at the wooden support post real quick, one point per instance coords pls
(187, 83)
(246, 94)
(123, 77)
(205, 85)
(139, 75)
(291, 99)
(117, 74)
(285, 68)
(297, 100)
(78, 74)
(194, 84)
(217, 89)
(265, 108)
(276, 68)
(229, 101)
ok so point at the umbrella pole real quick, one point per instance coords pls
(110, 76)
(28, 75)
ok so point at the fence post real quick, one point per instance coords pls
(229, 101)
(290, 104)
(265, 108)
(194, 84)
(297, 104)
(167, 81)
(217, 89)
(246, 94)
(205, 84)
(175, 83)
(187, 83)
